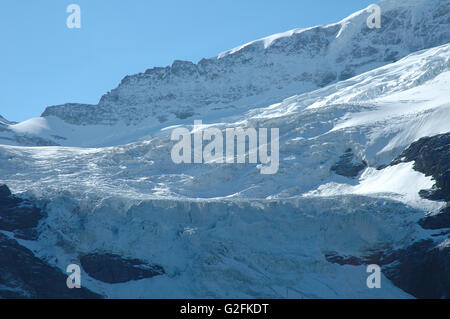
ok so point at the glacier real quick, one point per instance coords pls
(348, 101)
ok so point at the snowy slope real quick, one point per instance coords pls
(11, 135)
(195, 220)
(226, 230)
(253, 75)
(372, 114)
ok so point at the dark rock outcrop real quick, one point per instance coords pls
(17, 215)
(348, 165)
(22, 275)
(439, 220)
(421, 269)
(431, 156)
(4, 192)
(114, 269)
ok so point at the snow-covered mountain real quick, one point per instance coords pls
(363, 176)
(377, 115)
(256, 74)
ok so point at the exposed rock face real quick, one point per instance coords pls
(421, 269)
(268, 70)
(439, 220)
(5, 193)
(114, 269)
(431, 156)
(18, 216)
(348, 165)
(23, 275)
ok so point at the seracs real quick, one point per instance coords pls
(235, 143)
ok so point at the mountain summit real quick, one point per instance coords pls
(256, 74)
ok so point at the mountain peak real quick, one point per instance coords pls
(270, 69)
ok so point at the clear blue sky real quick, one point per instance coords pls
(43, 63)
